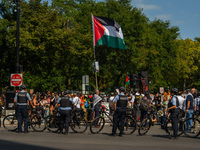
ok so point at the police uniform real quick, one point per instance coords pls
(120, 113)
(65, 112)
(22, 110)
(174, 115)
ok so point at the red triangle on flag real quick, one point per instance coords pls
(98, 30)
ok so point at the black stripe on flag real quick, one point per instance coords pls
(108, 22)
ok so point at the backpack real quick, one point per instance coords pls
(111, 104)
(86, 104)
(144, 106)
(137, 99)
(170, 103)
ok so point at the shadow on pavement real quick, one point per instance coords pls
(162, 136)
(8, 145)
(105, 133)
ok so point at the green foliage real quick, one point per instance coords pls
(56, 46)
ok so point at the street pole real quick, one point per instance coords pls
(95, 71)
(94, 53)
(17, 36)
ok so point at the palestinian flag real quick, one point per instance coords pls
(107, 32)
(127, 80)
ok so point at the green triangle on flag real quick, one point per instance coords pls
(127, 80)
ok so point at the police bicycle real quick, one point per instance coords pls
(192, 125)
(36, 122)
(167, 126)
(98, 123)
(78, 123)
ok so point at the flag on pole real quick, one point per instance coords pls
(108, 32)
(127, 80)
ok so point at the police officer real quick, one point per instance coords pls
(173, 106)
(120, 104)
(21, 99)
(66, 104)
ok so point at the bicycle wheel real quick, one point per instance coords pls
(78, 125)
(129, 126)
(144, 126)
(169, 128)
(38, 123)
(191, 127)
(10, 123)
(97, 125)
(52, 123)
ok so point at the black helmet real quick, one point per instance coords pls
(23, 86)
(122, 89)
(174, 90)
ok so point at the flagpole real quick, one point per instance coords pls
(94, 53)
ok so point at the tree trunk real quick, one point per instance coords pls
(184, 84)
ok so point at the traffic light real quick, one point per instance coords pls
(134, 81)
(144, 76)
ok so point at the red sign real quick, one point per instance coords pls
(16, 79)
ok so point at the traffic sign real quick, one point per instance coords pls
(161, 90)
(15, 79)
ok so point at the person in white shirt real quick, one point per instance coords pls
(77, 101)
(181, 100)
(132, 100)
(111, 102)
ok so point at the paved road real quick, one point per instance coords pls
(155, 139)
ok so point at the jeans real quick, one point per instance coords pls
(136, 111)
(97, 113)
(143, 115)
(46, 113)
(163, 120)
(189, 122)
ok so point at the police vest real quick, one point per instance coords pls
(21, 97)
(137, 99)
(170, 103)
(65, 102)
(122, 102)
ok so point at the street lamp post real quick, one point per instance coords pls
(17, 35)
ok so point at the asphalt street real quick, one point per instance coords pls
(154, 139)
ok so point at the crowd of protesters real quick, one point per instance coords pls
(47, 101)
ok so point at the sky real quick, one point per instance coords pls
(182, 13)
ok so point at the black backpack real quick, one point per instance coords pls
(170, 104)
(144, 105)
